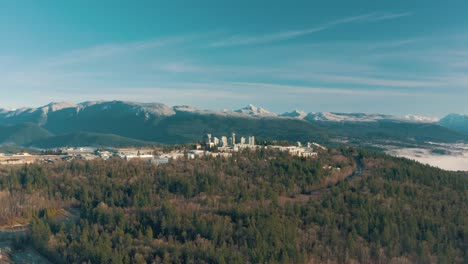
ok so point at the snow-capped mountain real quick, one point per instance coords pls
(295, 114)
(153, 110)
(421, 119)
(42, 113)
(347, 117)
(252, 110)
(356, 117)
(52, 107)
(59, 123)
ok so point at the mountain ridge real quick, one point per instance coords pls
(248, 111)
(457, 122)
(114, 121)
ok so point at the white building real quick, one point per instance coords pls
(144, 156)
(224, 141)
(160, 161)
(242, 141)
(207, 139)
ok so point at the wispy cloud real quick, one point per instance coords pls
(333, 74)
(112, 49)
(377, 17)
(183, 67)
(246, 40)
(370, 17)
(285, 35)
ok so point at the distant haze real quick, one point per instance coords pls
(454, 161)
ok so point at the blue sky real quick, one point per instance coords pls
(396, 57)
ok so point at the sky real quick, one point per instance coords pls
(394, 57)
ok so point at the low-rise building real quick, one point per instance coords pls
(160, 161)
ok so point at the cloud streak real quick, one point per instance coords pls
(280, 36)
(313, 73)
(111, 50)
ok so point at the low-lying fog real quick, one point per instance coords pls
(445, 156)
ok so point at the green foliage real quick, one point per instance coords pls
(256, 207)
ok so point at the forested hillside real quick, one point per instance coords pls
(257, 207)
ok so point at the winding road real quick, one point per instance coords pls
(358, 171)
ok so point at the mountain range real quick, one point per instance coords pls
(119, 123)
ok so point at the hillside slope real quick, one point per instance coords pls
(254, 207)
(456, 122)
(22, 134)
(86, 139)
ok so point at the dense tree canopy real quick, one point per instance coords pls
(258, 207)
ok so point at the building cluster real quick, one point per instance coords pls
(198, 153)
(299, 150)
(222, 147)
(89, 153)
(228, 142)
(16, 159)
(147, 154)
(231, 144)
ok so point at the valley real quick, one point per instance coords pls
(453, 157)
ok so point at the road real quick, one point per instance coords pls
(358, 171)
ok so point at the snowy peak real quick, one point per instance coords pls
(157, 110)
(186, 108)
(252, 110)
(153, 108)
(53, 107)
(89, 103)
(295, 114)
(362, 117)
(147, 109)
(421, 119)
(17, 112)
(347, 117)
(41, 114)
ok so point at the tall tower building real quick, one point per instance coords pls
(233, 138)
(252, 141)
(242, 141)
(207, 139)
(224, 141)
